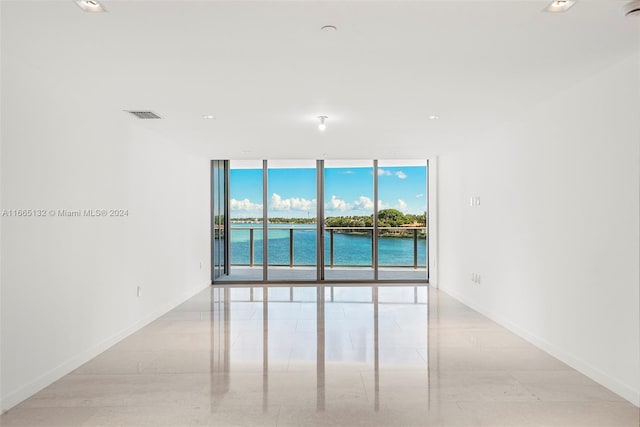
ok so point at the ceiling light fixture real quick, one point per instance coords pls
(434, 117)
(329, 28)
(90, 5)
(559, 6)
(208, 116)
(632, 8)
(322, 125)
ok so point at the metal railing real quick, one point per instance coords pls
(415, 233)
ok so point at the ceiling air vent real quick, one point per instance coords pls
(145, 114)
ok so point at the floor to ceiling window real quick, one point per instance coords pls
(372, 227)
(348, 220)
(291, 214)
(246, 212)
(402, 219)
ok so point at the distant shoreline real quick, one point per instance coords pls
(399, 232)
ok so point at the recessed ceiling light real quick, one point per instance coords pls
(434, 117)
(90, 5)
(329, 28)
(208, 116)
(559, 5)
(322, 125)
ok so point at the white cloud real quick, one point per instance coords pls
(336, 204)
(419, 195)
(293, 203)
(384, 172)
(244, 205)
(363, 202)
(401, 174)
(348, 172)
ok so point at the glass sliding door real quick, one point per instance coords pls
(402, 220)
(348, 220)
(246, 220)
(291, 215)
(219, 254)
(370, 225)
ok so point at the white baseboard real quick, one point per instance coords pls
(623, 390)
(24, 392)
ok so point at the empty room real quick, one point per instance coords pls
(320, 213)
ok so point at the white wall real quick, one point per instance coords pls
(69, 284)
(556, 235)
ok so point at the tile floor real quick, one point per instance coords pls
(308, 356)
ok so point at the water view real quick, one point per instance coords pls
(349, 249)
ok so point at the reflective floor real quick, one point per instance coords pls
(307, 356)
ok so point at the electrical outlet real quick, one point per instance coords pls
(139, 291)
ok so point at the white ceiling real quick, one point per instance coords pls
(266, 71)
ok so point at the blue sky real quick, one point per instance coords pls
(348, 191)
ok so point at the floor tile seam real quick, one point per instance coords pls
(612, 398)
(289, 359)
(364, 387)
(143, 374)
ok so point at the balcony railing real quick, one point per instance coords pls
(408, 232)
